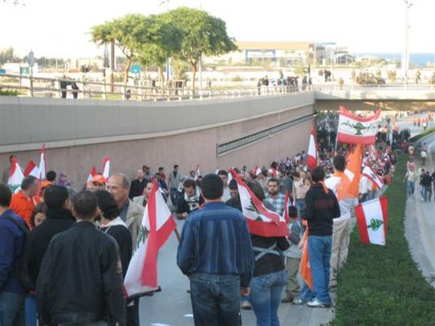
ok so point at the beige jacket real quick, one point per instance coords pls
(134, 220)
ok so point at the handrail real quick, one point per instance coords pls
(139, 92)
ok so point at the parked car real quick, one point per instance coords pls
(369, 79)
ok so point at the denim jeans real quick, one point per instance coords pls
(175, 196)
(12, 309)
(410, 185)
(31, 310)
(215, 299)
(427, 193)
(266, 291)
(300, 205)
(319, 248)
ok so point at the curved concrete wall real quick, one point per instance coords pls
(79, 134)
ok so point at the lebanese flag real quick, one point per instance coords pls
(312, 152)
(106, 168)
(42, 165)
(197, 172)
(372, 217)
(157, 226)
(92, 174)
(31, 169)
(305, 267)
(261, 221)
(373, 177)
(357, 130)
(256, 171)
(274, 172)
(16, 176)
(349, 184)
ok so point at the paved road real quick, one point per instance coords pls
(420, 222)
(172, 305)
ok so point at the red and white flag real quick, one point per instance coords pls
(256, 171)
(16, 176)
(357, 130)
(373, 177)
(106, 168)
(274, 172)
(42, 165)
(312, 152)
(157, 226)
(92, 174)
(261, 221)
(197, 172)
(372, 217)
(31, 169)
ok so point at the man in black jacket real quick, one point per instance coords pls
(321, 208)
(59, 219)
(80, 281)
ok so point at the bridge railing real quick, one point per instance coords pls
(87, 89)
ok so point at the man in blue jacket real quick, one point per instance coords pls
(12, 234)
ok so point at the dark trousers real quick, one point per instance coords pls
(215, 299)
(133, 313)
(12, 309)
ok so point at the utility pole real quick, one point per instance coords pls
(405, 59)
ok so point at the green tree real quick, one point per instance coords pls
(129, 34)
(163, 41)
(201, 34)
(7, 55)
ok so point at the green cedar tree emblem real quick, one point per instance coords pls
(142, 236)
(375, 224)
(254, 209)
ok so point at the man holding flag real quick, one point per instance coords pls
(215, 251)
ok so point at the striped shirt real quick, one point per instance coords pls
(216, 240)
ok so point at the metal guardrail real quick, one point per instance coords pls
(84, 89)
(255, 137)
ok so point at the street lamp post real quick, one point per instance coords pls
(405, 60)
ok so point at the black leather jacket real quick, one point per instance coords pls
(80, 280)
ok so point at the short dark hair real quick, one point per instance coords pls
(257, 190)
(5, 195)
(107, 204)
(51, 176)
(85, 205)
(189, 183)
(161, 168)
(339, 163)
(175, 166)
(223, 172)
(293, 211)
(272, 180)
(318, 174)
(28, 182)
(55, 196)
(212, 186)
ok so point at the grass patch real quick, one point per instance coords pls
(9, 93)
(422, 134)
(382, 285)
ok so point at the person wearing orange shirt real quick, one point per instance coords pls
(25, 200)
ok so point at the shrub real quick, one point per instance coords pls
(382, 285)
(8, 93)
(422, 134)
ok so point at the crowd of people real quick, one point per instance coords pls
(63, 253)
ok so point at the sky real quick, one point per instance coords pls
(62, 28)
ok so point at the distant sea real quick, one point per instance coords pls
(420, 59)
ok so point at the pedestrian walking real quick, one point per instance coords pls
(215, 252)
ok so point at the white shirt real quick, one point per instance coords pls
(346, 205)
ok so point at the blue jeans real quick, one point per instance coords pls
(215, 299)
(410, 185)
(12, 309)
(31, 310)
(175, 196)
(319, 248)
(427, 193)
(300, 205)
(266, 291)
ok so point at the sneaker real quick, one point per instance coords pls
(287, 298)
(297, 302)
(317, 304)
(246, 305)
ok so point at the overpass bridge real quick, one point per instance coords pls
(216, 132)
